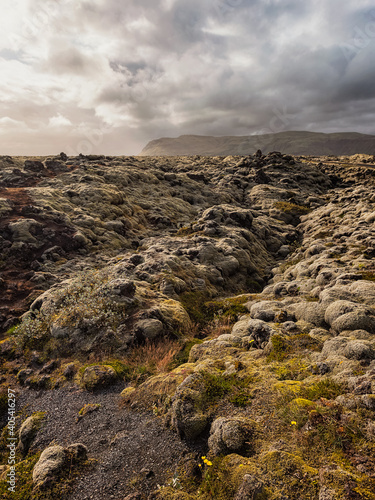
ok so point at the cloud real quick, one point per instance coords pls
(129, 72)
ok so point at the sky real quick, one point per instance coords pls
(107, 76)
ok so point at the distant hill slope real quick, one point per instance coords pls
(296, 143)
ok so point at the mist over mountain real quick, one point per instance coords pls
(292, 142)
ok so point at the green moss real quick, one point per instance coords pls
(11, 330)
(202, 311)
(291, 208)
(122, 370)
(231, 308)
(194, 304)
(238, 390)
(183, 355)
(88, 408)
(326, 388)
(283, 347)
(241, 398)
(280, 348)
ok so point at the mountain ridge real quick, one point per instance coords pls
(290, 142)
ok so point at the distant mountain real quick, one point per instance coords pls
(295, 143)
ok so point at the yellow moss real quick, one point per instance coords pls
(302, 403)
(288, 386)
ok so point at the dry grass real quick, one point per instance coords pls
(217, 327)
(153, 357)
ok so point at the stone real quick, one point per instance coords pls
(77, 452)
(148, 329)
(33, 166)
(50, 464)
(338, 308)
(356, 320)
(264, 310)
(188, 418)
(357, 349)
(229, 435)
(251, 488)
(97, 377)
(311, 312)
(28, 431)
(59, 331)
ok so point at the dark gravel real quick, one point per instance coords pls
(128, 446)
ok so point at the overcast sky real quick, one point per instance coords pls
(107, 76)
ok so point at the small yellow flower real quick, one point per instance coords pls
(203, 458)
(293, 422)
(199, 465)
(208, 462)
(241, 465)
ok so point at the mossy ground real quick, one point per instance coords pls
(61, 489)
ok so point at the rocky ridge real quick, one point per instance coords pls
(261, 270)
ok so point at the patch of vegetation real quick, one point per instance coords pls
(326, 388)
(292, 369)
(183, 355)
(62, 489)
(11, 330)
(238, 390)
(216, 482)
(194, 304)
(368, 275)
(281, 348)
(202, 311)
(241, 398)
(231, 308)
(291, 208)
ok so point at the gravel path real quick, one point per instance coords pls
(128, 446)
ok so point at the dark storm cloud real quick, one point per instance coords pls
(112, 74)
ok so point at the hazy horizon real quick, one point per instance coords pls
(107, 77)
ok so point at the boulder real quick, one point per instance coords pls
(148, 329)
(356, 320)
(188, 419)
(229, 435)
(50, 464)
(338, 308)
(359, 349)
(28, 431)
(311, 312)
(98, 376)
(250, 489)
(54, 460)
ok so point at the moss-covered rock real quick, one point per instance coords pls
(98, 376)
